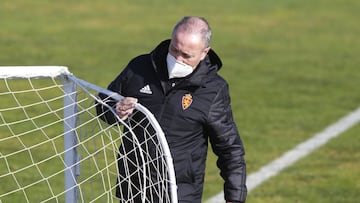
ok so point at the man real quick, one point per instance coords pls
(179, 84)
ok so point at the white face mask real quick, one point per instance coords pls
(176, 68)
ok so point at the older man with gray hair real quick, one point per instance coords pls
(191, 102)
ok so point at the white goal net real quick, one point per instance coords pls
(55, 145)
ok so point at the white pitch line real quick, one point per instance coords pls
(300, 151)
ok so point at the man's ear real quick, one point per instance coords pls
(205, 52)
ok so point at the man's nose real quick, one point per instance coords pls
(179, 58)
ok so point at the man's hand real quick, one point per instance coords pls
(125, 107)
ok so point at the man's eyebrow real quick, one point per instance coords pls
(181, 52)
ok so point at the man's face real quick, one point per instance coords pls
(188, 48)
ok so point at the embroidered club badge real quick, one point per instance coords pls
(186, 101)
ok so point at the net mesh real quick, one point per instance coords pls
(115, 161)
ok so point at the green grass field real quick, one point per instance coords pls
(292, 67)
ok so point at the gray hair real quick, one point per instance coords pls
(194, 24)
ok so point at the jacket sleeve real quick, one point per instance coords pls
(227, 145)
(116, 85)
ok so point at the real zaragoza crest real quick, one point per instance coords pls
(186, 101)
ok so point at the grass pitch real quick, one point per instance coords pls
(292, 67)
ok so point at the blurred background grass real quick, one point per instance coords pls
(292, 67)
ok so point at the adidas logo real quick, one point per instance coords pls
(146, 89)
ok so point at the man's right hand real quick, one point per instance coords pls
(125, 107)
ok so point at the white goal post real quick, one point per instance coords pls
(55, 145)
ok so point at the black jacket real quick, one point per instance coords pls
(191, 111)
